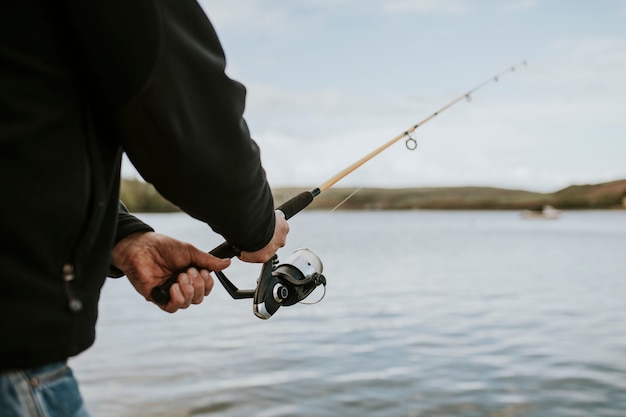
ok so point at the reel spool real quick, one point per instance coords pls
(287, 283)
(280, 284)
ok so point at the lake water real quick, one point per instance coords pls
(427, 313)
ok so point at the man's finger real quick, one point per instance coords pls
(197, 283)
(205, 260)
(208, 281)
(186, 288)
(177, 299)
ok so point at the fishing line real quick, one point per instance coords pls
(346, 199)
(290, 282)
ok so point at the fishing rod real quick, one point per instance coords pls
(290, 282)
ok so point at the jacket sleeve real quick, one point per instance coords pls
(127, 224)
(156, 76)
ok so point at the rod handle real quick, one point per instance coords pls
(161, 293)
(296, 204)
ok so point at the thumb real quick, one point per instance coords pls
(207, 261)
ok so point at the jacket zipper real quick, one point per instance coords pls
(74, 304)
(69, 268)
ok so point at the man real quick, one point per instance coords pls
(80, 83)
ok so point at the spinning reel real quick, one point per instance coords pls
(281, 284)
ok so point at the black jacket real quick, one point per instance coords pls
(80, 82)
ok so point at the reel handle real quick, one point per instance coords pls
(161, 293)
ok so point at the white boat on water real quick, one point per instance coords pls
(546, 212)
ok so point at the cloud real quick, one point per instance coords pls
(329, 111)
(247, 13)
(516, 6)
(427, 6)
(304, 16)
(265, 14)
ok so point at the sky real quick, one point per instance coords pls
(329, 81)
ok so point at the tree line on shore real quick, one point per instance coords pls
(140, 196)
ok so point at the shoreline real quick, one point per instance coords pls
(140, 196)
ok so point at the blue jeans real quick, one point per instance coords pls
(46, 391)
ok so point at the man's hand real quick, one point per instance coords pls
(278, 241)
(149, 258)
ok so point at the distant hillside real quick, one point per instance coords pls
(142, 197)
(606, 195)
(448, 198)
